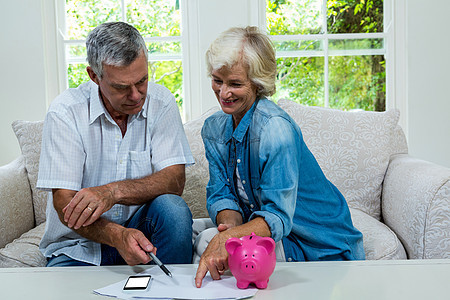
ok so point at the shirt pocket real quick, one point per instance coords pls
(140, 164)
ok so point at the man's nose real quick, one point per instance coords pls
(134, 93)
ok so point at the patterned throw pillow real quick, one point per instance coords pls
(197, 175)
(353, 149)
(29, 135)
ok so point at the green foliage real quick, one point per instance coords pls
(355, 16)
(352, 82)
(293, 17)
(170, 75)
(76, 74)
(166, 73)
(150, 17)
(355, 82)
(301, 79)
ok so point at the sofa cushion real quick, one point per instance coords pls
(353, 149)
(380, 242)
(197, 175)
(29, 135)
(24, 251)
(16, 207)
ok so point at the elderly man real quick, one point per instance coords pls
(113, 160)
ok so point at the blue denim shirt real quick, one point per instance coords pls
(284, 183)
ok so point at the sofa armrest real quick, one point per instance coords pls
(416, 206)
(16, 204)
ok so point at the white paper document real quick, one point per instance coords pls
(180, 286)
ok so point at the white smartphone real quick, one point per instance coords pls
(137, 283)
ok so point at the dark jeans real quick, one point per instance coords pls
(166, 221)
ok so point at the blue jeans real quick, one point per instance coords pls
(166, 221)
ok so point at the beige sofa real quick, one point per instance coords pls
(399, 203)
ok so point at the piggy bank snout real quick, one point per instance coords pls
(249, 266)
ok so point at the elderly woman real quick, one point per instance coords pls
(263, 178)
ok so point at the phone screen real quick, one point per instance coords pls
(137, 282)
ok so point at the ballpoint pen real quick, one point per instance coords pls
(159, 263)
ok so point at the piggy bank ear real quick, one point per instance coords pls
(231, 244)
(267, 243)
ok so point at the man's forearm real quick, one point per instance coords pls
(101, 231)
(169, 180)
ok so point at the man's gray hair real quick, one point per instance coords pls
(114, 43)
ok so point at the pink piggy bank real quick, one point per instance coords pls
(252, 260)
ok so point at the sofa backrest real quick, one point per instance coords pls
(352, 147)
(29, 135)
(197, 175)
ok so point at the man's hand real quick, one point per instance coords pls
(88, 205)
(133, 246)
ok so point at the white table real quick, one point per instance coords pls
(413, 279)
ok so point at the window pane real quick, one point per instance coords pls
(357, 82)
(76, 52)
(154, 17)
(83, 16)
(301, 79)
(77, 74)
(293, 16)
(355, 16)
(173, 48)
(170, 75)
(166, 73)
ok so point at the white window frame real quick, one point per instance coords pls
(326, 37)
(203, 20)
(63, 42)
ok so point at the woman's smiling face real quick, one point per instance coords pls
(234, 90)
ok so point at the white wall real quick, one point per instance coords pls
(27, 73)
(428, 80)
(22, 92)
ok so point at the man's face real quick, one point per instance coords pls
(123, 89)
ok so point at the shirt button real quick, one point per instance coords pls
(238, 161)
(243, 181)
(228, 179)
(121, 161)
(251, 206)
(289, 259)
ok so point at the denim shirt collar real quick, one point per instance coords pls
(240, 131)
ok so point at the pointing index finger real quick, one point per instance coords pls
(201, 273)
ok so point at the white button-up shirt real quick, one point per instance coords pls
(82, 147)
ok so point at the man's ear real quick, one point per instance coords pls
(92, 75)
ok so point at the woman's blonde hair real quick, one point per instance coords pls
(251, 48)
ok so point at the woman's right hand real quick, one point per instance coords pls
(214, 259)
